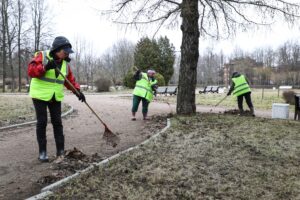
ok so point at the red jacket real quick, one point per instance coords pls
(36, 70)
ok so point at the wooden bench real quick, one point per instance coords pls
(161, 90)
(212, 89)
(171, 90)
(215, 89)
(206, 89)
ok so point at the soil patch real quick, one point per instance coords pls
(73, 161)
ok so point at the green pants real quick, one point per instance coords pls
(136, 102)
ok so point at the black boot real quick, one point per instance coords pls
(252, 111)
(241, 112)
(60, 149)
(43, 150)
(43, 156)
(60, 152)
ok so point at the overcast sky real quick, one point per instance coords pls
(78, 18)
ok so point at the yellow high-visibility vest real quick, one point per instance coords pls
(240, 86)
(45, 87)
(143, 87)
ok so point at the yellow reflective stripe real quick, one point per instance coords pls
(246, 88)
(52, 80)
(144, 88)
(240, 85)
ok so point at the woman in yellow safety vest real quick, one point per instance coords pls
(144, 90)
(46, 90)
(241, 89)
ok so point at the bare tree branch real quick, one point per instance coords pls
(173, 2)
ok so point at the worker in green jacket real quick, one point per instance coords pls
(144, 90)
(241, 89)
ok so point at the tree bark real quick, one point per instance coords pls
(4, 17)
(189, 58)
(38, 14)
(10, 36)
(19, 43)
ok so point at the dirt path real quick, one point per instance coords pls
(19, 167)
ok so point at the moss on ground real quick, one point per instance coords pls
(207, 156)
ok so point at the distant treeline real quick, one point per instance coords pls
(263, 66)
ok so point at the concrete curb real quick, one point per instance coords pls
(33, 122)
(50, 188)
(40, 196)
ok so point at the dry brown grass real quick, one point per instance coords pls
(16, 109)
(207, 156)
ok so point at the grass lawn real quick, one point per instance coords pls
(17, 109)
(211, 99)
(208, 156)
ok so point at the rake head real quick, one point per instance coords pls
(110, 138)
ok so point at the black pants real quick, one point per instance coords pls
(41, 115)
(248, 100)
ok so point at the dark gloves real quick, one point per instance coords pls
(154, 87)
(80, 96)
(137, 75)
(50, 65)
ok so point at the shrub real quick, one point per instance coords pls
(160, 79)
(103, 84)
(128, 80)
(289, 97)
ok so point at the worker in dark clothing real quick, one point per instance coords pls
(241, 89)
(46, 90)
(144, 90)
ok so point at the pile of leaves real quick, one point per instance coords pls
(237, 112)
(73, 161)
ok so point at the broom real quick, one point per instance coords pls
(108, 135)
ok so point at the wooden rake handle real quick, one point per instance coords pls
(221, 101)
(78, 93)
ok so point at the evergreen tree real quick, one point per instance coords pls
(158, 55)
(146, 55)
(167, 58)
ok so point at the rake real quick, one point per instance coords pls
(108, 135)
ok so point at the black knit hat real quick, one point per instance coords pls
(235, 74)
(61, 42)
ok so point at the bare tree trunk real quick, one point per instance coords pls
(37, 9)
(10, 62)
(189, 58)
(10, 36)
(19, 43)
(77, 59)
(4, 16)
